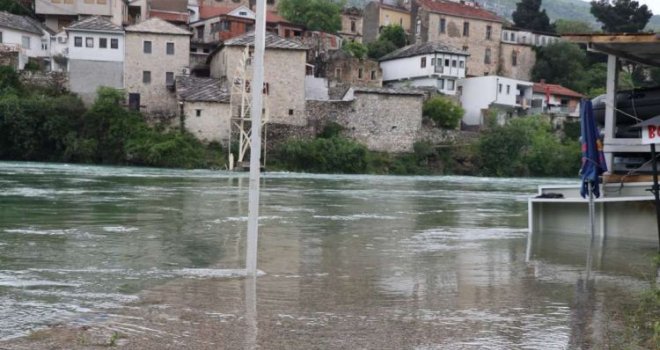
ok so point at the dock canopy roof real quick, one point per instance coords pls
(637, 47)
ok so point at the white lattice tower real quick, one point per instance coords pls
(240, 103)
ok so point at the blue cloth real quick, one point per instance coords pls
(593, 158)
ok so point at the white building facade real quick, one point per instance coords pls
(95, 48)
(24, 36)
(429, 64)
(493, 94)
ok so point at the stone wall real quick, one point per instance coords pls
(9, 58)
(355, 72)
(347, 17)
(526, 59)
(54, 81)
(382, 122)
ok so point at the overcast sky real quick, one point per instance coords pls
(654, 5)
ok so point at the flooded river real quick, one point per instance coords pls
(354, 262)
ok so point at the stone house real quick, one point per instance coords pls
(22, 38)
(156, 52)
(205, 108)
(378, 14)
(351, 24)
(430, 64)
(284, 76)
(344, 69)
(505, 97)
(471, 28)
(271, 5)
(95, 56)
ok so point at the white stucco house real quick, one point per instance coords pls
(95, 50)
(504, 96)
(429, 64)
(24, 37)
(555, 99)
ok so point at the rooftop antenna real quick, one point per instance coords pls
(255, 146)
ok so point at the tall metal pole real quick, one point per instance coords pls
(656, 190)
(255, 145)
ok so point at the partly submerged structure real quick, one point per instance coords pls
(626, 208)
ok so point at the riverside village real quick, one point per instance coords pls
(329, 174)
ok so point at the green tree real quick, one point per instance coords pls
(621, 16)
(567, 26)
(561, 63)
(355, 49)
(394, 34)
(15, 7)
(322, 15)
(528, 15)
(380, 48)
(443, 111)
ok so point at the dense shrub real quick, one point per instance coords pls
(40, 127)
(444, 112)
(527, 147)
(355, 49)
(323, 155)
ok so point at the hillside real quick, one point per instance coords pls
(557, 9)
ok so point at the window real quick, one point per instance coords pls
(443, 25)
(242, 13)
(77, 41)
(513, 36)
(200, 32)
(487, 56)
(89, 42)
(114, 43)
(447, 62)
(433, 62)
(441, 84)
(44, 44)
(422, 62)
(466, 28)
(290, 111)
(508, 89)
(499, 88)
(25, 42)
(169, 78)
(465, 48)
(0, 37)
(489, 32)
(337, 73)
(373, 75)
(360, 73)
(198, 113)
(453, 63)
(169, 48)
(103, 43)
(450, 85)
(514, 58)
(146, 77)
(461, 64)
(146, 46)
(352, 26)
(505, 36)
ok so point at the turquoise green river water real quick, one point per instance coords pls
(414, 262)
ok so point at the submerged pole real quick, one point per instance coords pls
(255, 142)
(656, 190)
(592, 210)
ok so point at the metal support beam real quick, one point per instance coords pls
(610, 104)
(255, 148)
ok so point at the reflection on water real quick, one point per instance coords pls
(349, 261)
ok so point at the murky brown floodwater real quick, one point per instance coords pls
(351, 262)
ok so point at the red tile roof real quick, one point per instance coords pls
(460, 10)
(554, 89)
(213, 11)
